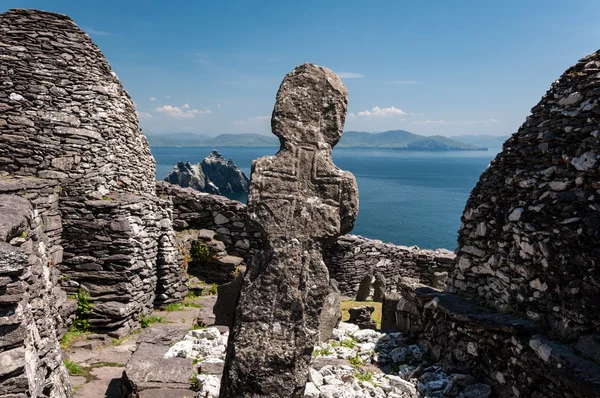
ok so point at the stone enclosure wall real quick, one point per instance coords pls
(228, 218)
(353, 258)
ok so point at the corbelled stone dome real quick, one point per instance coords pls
(530, 239)
(63, 111)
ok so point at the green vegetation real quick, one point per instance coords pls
(107, 198)
(200, 252)
(348, 343)
(146, 321)
(71, 336)
(194, 382)
(174, 307)
(84, 308)
(214, 289)
(351, 304)
(117, 342)
(364, 376)
(191, 304)
(355, 360)
(74, 368)
(191, 294)
(198, 327)
(23, 235)
(108, 364)
(317, 352)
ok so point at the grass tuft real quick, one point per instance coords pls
(74, 368)
(146, 321)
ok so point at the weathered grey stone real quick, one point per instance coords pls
(539, 201)
(331, 314)
(361, 316)
(301, 200)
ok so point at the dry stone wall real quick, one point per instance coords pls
(63, 112)
(507, 351)
(65, 116)
(29, 300)
(353, 258)
(111, 247)
(530, 239)
(228, 218)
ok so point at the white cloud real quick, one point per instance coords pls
(351, 114)
(152, 98)
(184, 112)
(456, 122)
(144, 115)
(382, 112)
(405, 82)
(349, 75)
(97, 32)
(218, 105)
(251, 120)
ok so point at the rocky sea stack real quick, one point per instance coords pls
(213, 175)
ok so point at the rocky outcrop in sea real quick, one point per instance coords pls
(212, 175)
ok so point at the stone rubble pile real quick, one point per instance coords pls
(352, 364)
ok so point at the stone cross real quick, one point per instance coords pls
(302, 201)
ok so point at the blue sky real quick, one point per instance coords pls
(429, 67)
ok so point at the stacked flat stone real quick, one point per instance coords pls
(508, 351)
(60, 94)
(29, 351)
(172, 281)
(65, 116)
(43, 198)
(111, 246)
(530, 238)
(352, 258)
(229, 218)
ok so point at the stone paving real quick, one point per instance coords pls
(104, 360)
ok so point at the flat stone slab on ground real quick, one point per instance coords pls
(167, 393)
(148, 369)
(106, 384)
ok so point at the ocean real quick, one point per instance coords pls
(406, 197)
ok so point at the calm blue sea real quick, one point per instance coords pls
(406, 197)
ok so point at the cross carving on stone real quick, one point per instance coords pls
(302, 200)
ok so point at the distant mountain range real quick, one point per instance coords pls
(394, 139)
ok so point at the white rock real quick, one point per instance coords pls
(515, 215)
(311, 391)
(402, 386)
(181, 349)
(16, 97)
(315, 377)
(332, 381)
(343, 330)
(337, 392)
(571, 99)
(367, 336)
(209, 386)
(538, 285)
(585, 161)
(208, 333)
